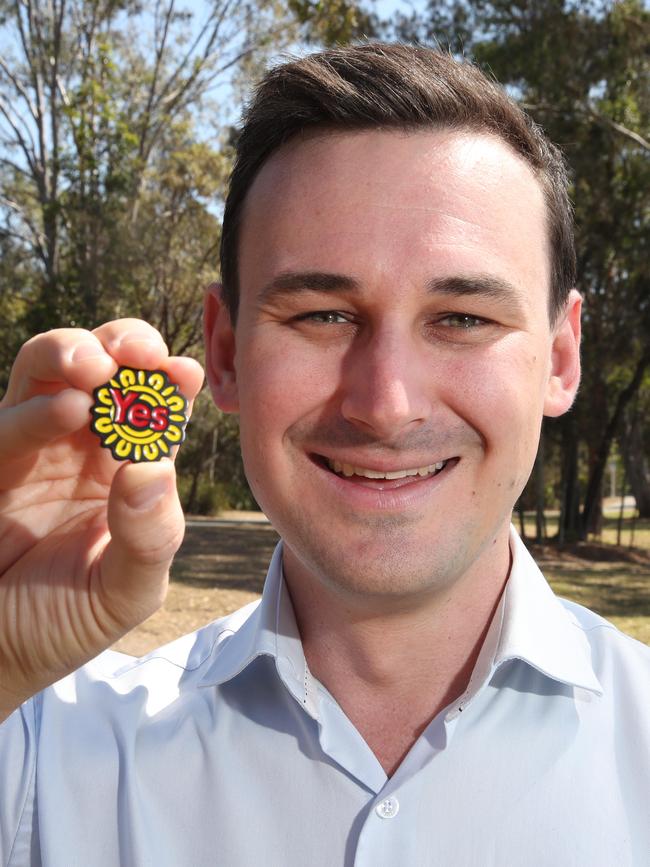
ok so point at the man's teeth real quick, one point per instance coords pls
(352, 470)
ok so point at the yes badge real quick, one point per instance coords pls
(139, 415)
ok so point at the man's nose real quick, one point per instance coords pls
(385, 386)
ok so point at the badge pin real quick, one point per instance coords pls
(140, 415)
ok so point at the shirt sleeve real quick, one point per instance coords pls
(18, 740)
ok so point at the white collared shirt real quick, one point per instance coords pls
(222, 749)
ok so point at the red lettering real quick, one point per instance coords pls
(122, 403)
(129, 410)
(159, 418)
(139, 415)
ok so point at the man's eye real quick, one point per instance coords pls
(327, 317)
(462, 320)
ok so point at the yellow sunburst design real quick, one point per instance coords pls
(139, 415)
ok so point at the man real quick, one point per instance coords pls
(396, 317)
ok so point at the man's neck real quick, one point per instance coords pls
(393, 672)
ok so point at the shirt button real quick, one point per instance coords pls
(387, 808)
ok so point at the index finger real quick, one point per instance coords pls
(58, 359)
(133, 343)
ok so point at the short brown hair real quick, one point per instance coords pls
(378, 85)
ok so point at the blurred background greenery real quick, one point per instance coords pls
(117, 122)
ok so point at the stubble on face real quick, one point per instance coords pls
(334, 434)
(372, 564)
(481, 401)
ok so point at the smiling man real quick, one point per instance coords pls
(396, 317)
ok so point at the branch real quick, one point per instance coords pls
(160, 50)
(618, 127)
(597, 116)
(55, 88)
(28, 43)
(175, 102)
(169, 99)
(14, 206)
(19, 87)
(209, 253)
(193, 336)
(246, 52)
(18, 119)
(9, 233)
(23, 41)
(10, 204)
(16, 167)
(36, 238)
(63, 91)
(37, 81)
(30, 155)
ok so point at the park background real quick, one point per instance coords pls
(117, 125)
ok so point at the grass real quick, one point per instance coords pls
(620, 592)
(612, 580)
(633, 533)
(221, 568)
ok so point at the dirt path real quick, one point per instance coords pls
(222, 564)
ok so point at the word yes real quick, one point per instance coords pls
(137, 413)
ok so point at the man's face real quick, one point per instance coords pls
(393, 354)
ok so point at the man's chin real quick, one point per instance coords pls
(378, 570)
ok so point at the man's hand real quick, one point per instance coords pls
(85, 541)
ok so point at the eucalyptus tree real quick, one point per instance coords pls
(108, 110)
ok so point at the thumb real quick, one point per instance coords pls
(146, 524)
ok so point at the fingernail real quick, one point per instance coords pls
(87, 350)
(147, 496)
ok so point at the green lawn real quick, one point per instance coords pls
(615, 582)
(638, 534)
(219, 569)
(619, 592)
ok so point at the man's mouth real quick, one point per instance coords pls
(383, 480)
(349, 470)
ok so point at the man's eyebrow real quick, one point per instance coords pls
(293, 282)
(479, 285)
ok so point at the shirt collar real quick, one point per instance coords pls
(538, 629)
(530, 624)
(270, 630)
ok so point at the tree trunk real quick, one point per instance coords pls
(568, 530)
(540, 524)
(593, 495)
(637, 467)
(191, 504)
(594, 524)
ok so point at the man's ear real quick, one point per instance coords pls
(565, 359)
(220, 350)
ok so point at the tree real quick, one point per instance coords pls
(635, 448)
(211, 473)
(17, 273)
(91, 93)
(114, 155)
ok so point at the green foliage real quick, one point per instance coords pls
(17, 275)
(103, 174)
(333, 22)
(209, 462)
(204, 499)
(112, 175)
